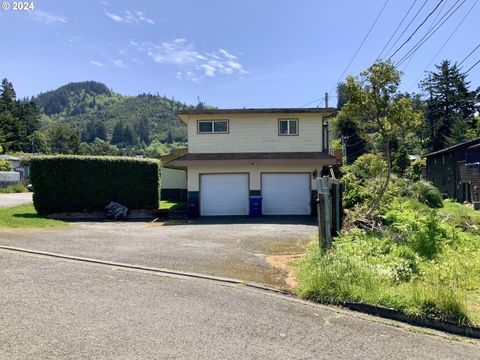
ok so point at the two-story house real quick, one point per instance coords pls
(236, 154)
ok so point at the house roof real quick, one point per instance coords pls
(257, 111)
(454, 147)
(173, 155)
(327, 111)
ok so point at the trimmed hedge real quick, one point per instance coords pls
(67, 183)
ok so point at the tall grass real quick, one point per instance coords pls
(425, 265)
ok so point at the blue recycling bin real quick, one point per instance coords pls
(255, 206)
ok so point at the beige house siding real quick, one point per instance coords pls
(173, 178)
(256, 133)
(254, 172)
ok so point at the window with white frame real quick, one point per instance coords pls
(212, 127)
(288, 127)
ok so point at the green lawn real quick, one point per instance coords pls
(25, 216)
(171, 205)
(426, 263)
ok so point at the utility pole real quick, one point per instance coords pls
(326, 99)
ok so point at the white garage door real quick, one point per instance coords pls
(223, 194)
(286, 194)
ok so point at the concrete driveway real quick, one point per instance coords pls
(57, 309)
(9, 200)
(230, 247)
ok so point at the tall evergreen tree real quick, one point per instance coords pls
(18, 119)
(64, 140)
(101, 131)
(450, 106)
(129, 136)
(9, 131)
(143, 130)
(117, 135)
(89, 133)
(7, 97)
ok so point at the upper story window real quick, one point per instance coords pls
(288, 127)
(212, 127)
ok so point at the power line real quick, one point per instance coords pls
(361, 44)
(398, 27)
(432, 30)
(471, 52)
(319, 100)
(428, 35)
(418, 27)
(446, 41)
(408, 25)
(471, 67)
(429, 29)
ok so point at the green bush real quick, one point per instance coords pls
(362, 179)
(17, 188)
(420, 229)
(5, 165)
(427, 193)
(414, 171)
(87, 183)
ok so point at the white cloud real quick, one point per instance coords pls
(97, 63)
(119, 63)
(227, 54)
(114, 17)
(130, 17)
(193, 64)
(47, 18)
(142, 17)
(209, 70)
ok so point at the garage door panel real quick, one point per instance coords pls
(286, 194)
(223, 194)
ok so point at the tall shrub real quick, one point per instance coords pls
(86, 183)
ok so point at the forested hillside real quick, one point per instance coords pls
(89, 118)
(151, 117)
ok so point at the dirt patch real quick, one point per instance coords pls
(285, 264)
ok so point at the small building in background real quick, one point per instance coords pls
(19, 164)
(455, 171)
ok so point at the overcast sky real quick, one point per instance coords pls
(248, 53)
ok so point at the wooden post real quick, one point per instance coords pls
(320, 211)
(327, 212)
(336, 206)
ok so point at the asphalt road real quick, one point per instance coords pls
(236, 249)
(9, 200)
(57, 309)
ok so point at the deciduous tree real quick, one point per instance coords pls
(376, 105)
